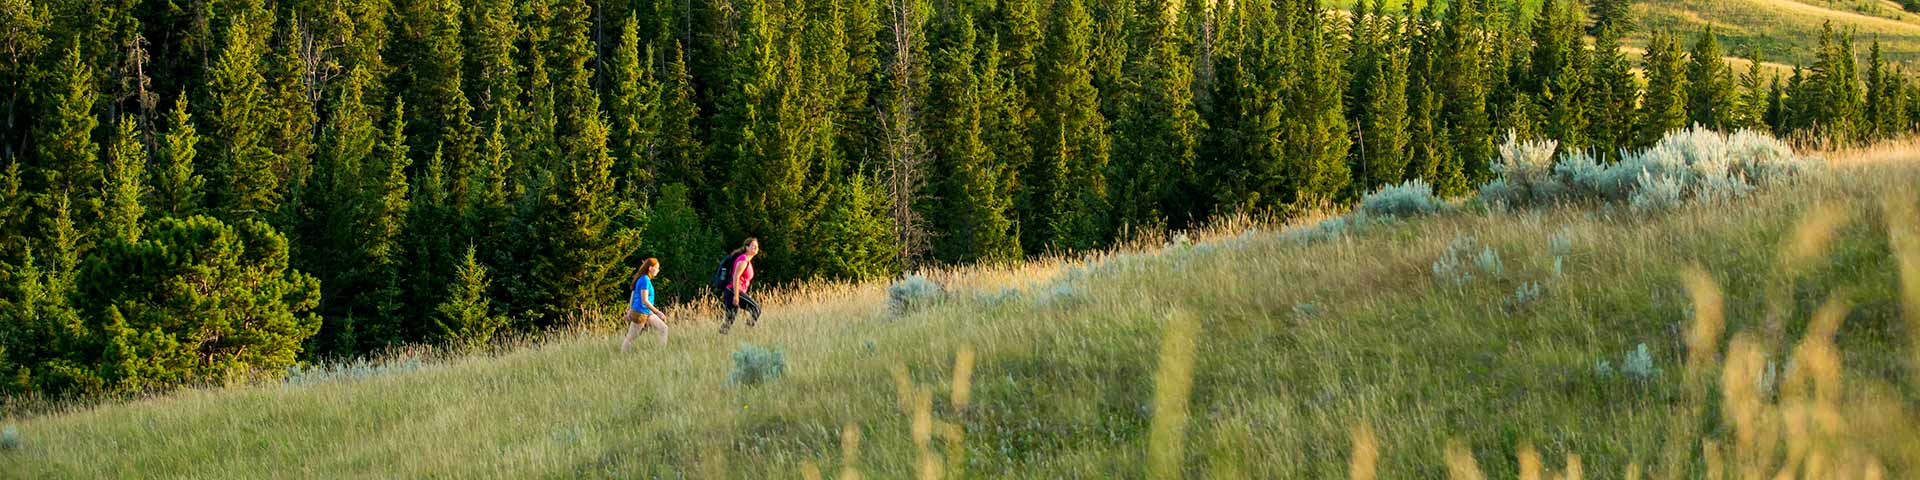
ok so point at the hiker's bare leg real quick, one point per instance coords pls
(633, 329)
(658, 324)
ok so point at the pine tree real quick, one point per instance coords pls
(465, 319)
(1556, 36)
(292, 119)
(1068, 193)
(383, 234)
(1249, 176)
(1829, 98)
(69, 159)
(1427, 152)
(1615, 94)
(434, 80)
(1462, 83)
(578, 243)
(163, 293)
(681, 157)
(635, 111)
(684, 242)
(26, 40)
(1885, 107)
(968, 202)
(178, 188)
(491, 52)
(1752, 96)
(853, 233)
(1158, 132)
(1664, 109)
(1383, 139)
(1615, 15)
(1710, 88)
(125, 186)
(1315, 136)
(242, 172)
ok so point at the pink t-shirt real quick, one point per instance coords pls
(745, 267)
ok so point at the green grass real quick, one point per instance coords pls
(1784, 32)
(1296, 345)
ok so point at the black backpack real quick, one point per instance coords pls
(722, 276)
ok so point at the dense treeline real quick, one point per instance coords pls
(193, 189)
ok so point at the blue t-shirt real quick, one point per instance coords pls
(643, 286)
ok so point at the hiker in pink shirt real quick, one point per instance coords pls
(739, 275)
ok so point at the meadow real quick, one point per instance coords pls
(1754, 335)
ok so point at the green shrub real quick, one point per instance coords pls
(1411, 199)
(1451, 266)
(1489, 262)
(1636, 365)
(754, 365)
(913, 293)
(1525, 175)
(1524, 295)
(1686, 165)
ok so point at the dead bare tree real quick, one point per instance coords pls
(904, 172)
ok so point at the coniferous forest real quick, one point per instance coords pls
(195, 189)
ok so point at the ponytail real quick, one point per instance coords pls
(743, 247)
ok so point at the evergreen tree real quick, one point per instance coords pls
(69, 159)
(681, 157)
(1664, 109)
(382, 236)
(1158, 132)
(1615, 94)
(1615, 15)
(853, 236)
(1429, 158)
(635, 111)
(1249, 177)
(292, 119)
(1829, 98)
(466, 319)
(1751, 104)
(242, 172)
(969, 203)
(1710, 88)
(1068, 188)
(1885, 113)
(1383, 138)
(684, 242)
(125, 185)
(171, 304)
(491, 53)
(579, 246)
(178, 188)
(1462, 83)
(434, 83)
(1315, 136)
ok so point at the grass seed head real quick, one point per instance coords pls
(1366, 454)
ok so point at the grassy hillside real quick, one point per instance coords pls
(1784, 30)
(1306, 346)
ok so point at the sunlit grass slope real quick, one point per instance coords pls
(1300, 341)
(1787, 30)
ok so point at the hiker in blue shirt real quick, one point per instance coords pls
(641, 313)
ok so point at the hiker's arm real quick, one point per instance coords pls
(734, 284)
(650, 308)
